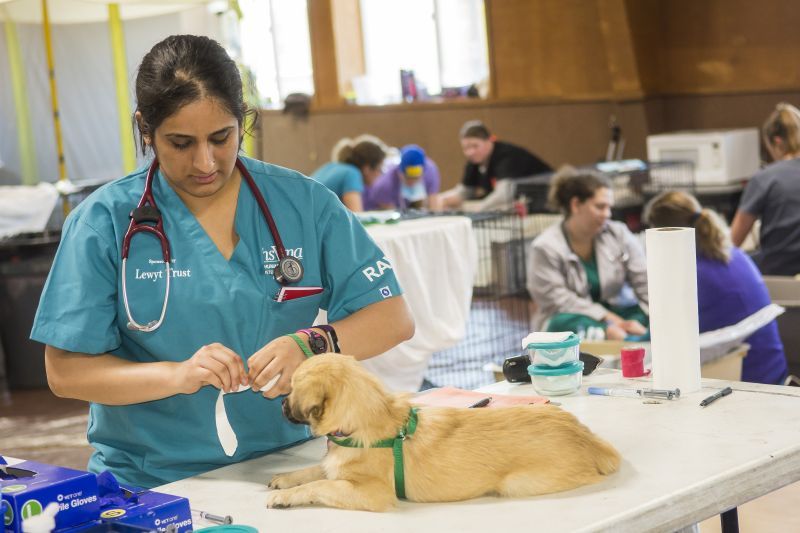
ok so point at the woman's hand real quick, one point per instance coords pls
(213, 364)
(281, 356)
(615, 333)
(633, 327)
(613, 319)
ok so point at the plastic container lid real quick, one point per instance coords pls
(572, 340)
(573, 367)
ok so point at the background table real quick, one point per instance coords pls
(435, 260)
(681, 464)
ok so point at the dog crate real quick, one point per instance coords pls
(499, 314)
(633, 181)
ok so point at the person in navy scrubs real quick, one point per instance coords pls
(153, 393)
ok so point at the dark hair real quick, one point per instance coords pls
(180, 70)
(783, 123)
(568, 183)
(474, 129)
(364, 150)
(682, 210)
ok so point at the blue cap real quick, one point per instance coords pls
(411, 155)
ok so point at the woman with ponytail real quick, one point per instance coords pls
(773, 195)
(356, 165)
(729, 286)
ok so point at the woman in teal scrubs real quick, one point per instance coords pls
(153, 393)
(356, 166)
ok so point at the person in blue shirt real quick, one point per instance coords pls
(356, 164)
(729, 286)
(153, 393)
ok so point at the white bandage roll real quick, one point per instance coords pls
(225, 432)
(674, 327)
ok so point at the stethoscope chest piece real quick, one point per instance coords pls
(289, 270)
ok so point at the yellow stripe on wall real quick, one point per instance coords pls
(121, 86)
(27, 147)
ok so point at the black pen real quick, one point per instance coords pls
(716, 396)
(482, 403)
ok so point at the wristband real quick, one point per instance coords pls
(316, 342)
(301, 344)
(332, 336)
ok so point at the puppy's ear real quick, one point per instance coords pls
(316, 411)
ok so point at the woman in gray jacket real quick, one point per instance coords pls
(577, 269)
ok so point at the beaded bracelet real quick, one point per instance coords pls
(301, 344)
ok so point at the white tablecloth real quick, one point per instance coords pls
(435, 260)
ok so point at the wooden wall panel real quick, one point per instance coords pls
(575, 133)
(323, 54)
(724, 46)
(722, 111)
(645, 23)
(623, 69)
(547, 48)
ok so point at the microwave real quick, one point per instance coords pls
(720, 157)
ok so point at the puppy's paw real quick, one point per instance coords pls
(278, 499)
(282, 481)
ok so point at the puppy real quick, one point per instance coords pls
(454, 454)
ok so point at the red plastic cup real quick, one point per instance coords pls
(632, 362)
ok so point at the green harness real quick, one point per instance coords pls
(396, 443)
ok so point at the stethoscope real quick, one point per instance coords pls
(147, 218)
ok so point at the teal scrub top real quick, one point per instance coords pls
(211, 300)
(593, 277)
(341, 178)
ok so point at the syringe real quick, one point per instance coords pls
(664, 394)
(217, 519)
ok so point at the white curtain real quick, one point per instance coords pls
(85, 82)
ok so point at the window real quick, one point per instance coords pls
(276, 48)
(442, 41)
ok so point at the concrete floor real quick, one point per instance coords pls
(39, 426)
(36, 425)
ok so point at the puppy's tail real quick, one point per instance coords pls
(606, 458)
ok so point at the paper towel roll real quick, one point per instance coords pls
(674, 328)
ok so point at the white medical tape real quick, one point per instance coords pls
(225, 433)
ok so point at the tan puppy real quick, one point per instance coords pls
(455, 453)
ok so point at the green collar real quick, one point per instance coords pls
(396, 443)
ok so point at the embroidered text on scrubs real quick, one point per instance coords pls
(159, 274)
(271, 257)
(381, 266)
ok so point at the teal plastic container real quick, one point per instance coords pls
(557, 381)
(555, 354)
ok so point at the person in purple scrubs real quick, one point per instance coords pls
(411, 184)
(729, 285)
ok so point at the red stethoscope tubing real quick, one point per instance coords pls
(158, 230)
(154, 217)
(135, 227)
